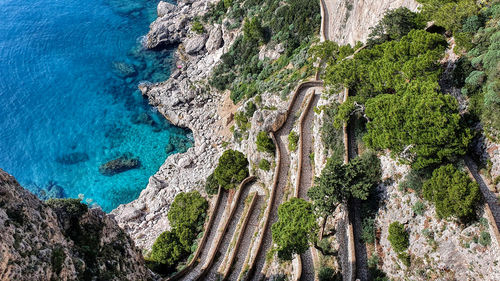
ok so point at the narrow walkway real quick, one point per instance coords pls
(247, 238)
(361, 271)
(488, 196)
(212, 273)
(281, 138)
(306, 181)
(195, 272)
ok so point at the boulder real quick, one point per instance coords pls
(119, 165)
(164, 8)
(214, 41)
(195, 44)
(124, 69)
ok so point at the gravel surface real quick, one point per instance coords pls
(281, 138)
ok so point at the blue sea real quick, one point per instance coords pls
(69, 71)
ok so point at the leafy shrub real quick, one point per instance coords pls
(368, 230)
(265, 143)
(326, 273)
(252, 30)
(405, 258)
(197, 27)
(293, 139)
(295, 229)
(232, 169)
(167, 250)
(211, 185)
(57, 259)
(452, 192)
(332, 136)
(414, 180)
(419, 208)
(399, 238)
(264, 165)
(484, 238)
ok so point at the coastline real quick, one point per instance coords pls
(185, 102)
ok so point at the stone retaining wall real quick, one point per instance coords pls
(222, 231)
(244, 223)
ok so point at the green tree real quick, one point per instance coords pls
(167, 250)
(211, 185)
(252, 30)
(394, 25)
(449, 14)
(188, 210)
(391, 67)
(338, 182)
(232, 169)
(328, 274)
(453, 193)
(399, 238)
(265, 143)
(423, 126)
(295, 229)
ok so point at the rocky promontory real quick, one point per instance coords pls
(186, 101)
(61, 240)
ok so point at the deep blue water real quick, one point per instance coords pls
(62, 94)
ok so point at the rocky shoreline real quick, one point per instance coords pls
(184, 99)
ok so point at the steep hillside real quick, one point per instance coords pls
(61, 240)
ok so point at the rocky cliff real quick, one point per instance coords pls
(354, 18)
(61, 240)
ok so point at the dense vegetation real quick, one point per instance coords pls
(291, 23)
(264, 143)
(232, 169)
(187, 215)
(394, 25)
(332, 136)
(395, 87)
(340, 182)
(453, 193)
(420, 125)
(400, 241)
(295, 229)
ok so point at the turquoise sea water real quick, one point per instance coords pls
(69, 102)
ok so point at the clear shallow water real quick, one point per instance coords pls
(62, 92)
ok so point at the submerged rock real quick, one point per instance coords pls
(124, 69)
(73, 158)
(52, 190)
(121, 164)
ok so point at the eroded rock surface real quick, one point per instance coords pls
(61, 241)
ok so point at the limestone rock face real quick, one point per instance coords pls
(353, 19)
(215, 39)
(194, 44)
(164, 7)
(171, 26)
(40, 242)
